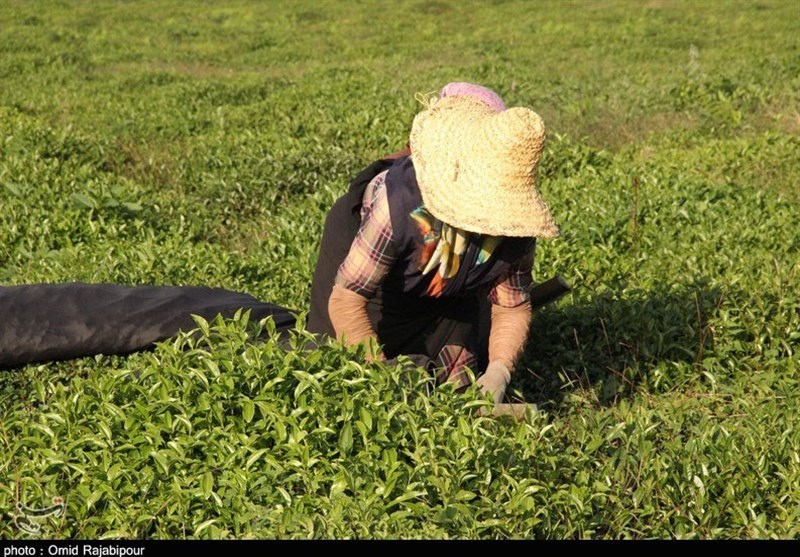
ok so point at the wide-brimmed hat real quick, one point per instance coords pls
(476, 168)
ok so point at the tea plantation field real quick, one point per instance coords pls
(169, 142)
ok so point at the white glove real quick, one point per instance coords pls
(495, 380)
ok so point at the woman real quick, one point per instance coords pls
(424, 243)
(427, 241)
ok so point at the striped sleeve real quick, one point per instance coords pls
(372, 252)
(513, 287)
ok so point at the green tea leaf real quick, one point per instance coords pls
(346, 438)
(207, 483)
(248, 410)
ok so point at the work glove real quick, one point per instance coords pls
(495, 381)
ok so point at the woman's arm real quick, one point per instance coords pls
(508, 333)
(348, 311)
(510, 324)
(369, 260)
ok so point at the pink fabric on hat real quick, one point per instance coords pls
(464, 89)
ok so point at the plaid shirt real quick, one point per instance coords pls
(372, 255)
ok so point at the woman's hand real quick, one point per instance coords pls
(348, 313)
(495, 380)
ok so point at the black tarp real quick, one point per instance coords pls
(48, 322)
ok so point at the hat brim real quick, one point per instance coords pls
(519, 215)
(476, 168)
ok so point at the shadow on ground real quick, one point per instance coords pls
(611, 343)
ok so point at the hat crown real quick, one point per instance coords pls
(515, 138)
(521, 125)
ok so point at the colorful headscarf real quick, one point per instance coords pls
(444, 245)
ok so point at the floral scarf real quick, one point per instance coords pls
(443, 248)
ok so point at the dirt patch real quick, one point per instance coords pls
(193, 70)
(613, 130)
(785, 118)
(660, 4)
(146, 164)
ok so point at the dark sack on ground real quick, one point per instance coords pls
(46, 322)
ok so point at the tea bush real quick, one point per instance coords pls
(168, 143)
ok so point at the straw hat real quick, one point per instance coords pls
(476, 168)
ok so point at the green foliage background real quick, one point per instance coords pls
(164, 142)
